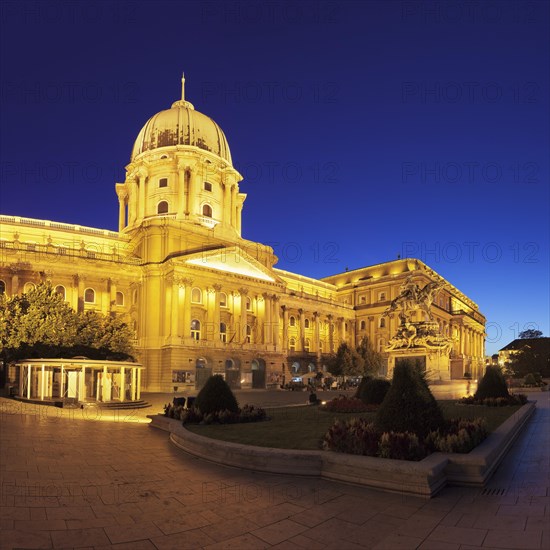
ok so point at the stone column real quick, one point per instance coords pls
(330, 334)
(268, 324)
(216, 331)
(174, 310)
(285, 327)
(244, 315)
(186, 332)
(227, 201)
(316, 334)
(180, 212)
(234, 206)
(275, 316)
(342, 330)
(142, 179)
(122, 198)
(301, 330)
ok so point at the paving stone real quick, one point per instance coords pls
(463, 535)
(279, 531)
(79, 537)
(523, 540)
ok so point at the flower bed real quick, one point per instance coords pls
(361, 437)
(512, 399)
(248, 413)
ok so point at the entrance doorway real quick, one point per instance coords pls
(258, 373)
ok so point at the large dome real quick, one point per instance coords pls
(182, 125)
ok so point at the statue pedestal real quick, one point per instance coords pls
(421, 343)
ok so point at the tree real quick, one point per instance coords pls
(346, 362)
(531, 358)
(530, 333)
(40, 323)
(371, 358)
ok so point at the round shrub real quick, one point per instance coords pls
(409, 405)
(373, 390)
(492, 384)
(216, 396)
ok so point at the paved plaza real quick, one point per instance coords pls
(82, 479)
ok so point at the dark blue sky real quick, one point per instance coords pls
(364, 129)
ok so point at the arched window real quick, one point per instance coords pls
(382, 322)
(223, 299)
(307, 344)
(295, 368)
(28, 287)
(196, 296)
(119, 300)
(196, 329)
(292, 321)
(163, 182)
(60, 289)
(2, 287)
(89, 296)
(162, 207)
(248, 334)
(292, 344)
(306, 323)
(363, 325)
(207, 210)
(248, 304)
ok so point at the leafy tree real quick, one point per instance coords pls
(40, 323)
(372, 359)
(530, 333)
(531, 358)
(346, 362)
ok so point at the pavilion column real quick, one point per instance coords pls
(353, 334)
(194, 186)
(122, 384)
(138, 387)
(239, 217)
(42, 379)
(21, 378)
(29, 381)
(133, 387)
(461, 336)
(82, 386)
(62, 383)
(104, 385)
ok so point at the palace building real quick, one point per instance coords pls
(200, 297)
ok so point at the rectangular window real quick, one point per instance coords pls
(207, 186)
(163, 182)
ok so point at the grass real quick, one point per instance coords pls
(304, 427)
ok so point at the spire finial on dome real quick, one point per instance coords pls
(183, 86)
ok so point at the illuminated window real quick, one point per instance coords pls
(292, 344)
(306, 323)
(196, 329)
(119, 300)
(223, 332)
(363, 299)
(381, 345)
(307, 344)
(363, 325)
(207, 211)
(207, 186)
(248, 304)
(248, 334)
(223, 299)
(89, 296)
(162, 207)
(60, 289)
(2, 287)
(28, 287)
(196, 296)
(292, 321)
(381, 296)
(321, 345)
(382, 322)
(163, 182)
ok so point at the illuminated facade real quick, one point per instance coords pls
(200, 297)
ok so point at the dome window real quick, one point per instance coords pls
(163, 182)
(207, 211)
(207, 186)
(162, 207)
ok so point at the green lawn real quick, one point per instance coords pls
(304, 427)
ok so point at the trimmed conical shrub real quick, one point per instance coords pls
(215, 396)
(409, 405)
(372, 390)
(492, 384)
